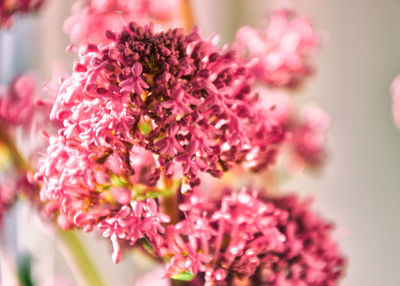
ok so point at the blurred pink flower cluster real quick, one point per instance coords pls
(281, 54)
(10, 7)
(93, 17)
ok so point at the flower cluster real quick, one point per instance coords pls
(144, 111)
(9, 7)
(17, 101)
(280, 55)
(223, 237)
(92, 18)
(307, 137)
(266, 240)
(310, 256)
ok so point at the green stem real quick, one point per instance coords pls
(79, 261)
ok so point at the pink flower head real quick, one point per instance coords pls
(310, 256)
(264, 241)
(93, 18)
(395, 91)
(220, 238)
(176, 95)
(17, 101)
(10, 7)
(307, 137)
(147, 109)
(280, 55)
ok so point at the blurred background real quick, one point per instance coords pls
(359, 188)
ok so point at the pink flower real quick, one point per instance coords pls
(395, 92)
(9, 8)
(176, 95)
(218, 238)
(17, 101)
(280, 55)
(307, 137)
(264, 241)
(12, 185)
(310, 256)
(93, 18)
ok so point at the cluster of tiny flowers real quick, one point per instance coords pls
(310, 256)
(177, 96)
(17, 101)
(92, 18)
(279, 55)
(10, 7)
(306, 137)
(223, 238)
(266, 240)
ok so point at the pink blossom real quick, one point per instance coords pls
(93, 18)
(395, 91)
(9, 8)
(218, 238)
(307, 137)
(310, 257)
(279, 55)
(17, 101)
(265, 241)
(178, 96)
(12, 185)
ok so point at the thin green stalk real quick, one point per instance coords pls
(79, 261)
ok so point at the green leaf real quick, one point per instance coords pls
(118, 181)
(184, 276)
(144, 128)
(25, 270)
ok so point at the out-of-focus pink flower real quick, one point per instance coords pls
(17, 101)
(310, 256)
(307, 138)
(279, 55)
(12, 185)
(278, 103)
(19, 117)
(395, 91)
(93, 18)
(9, 7)
(266, 240)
